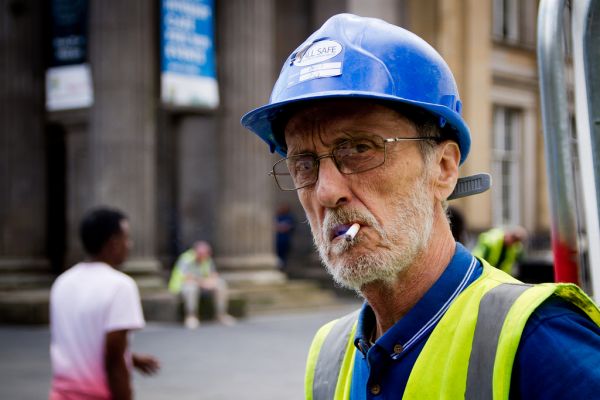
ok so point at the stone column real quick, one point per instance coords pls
(474, 69)
(391, 11)
(122, 129)
(22, 140)
(460, 32)
(198, 181)
(246, 76)
(321, 10)
(419, 17)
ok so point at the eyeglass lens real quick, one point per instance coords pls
(351, 157)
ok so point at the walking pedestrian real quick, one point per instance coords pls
(94, 307)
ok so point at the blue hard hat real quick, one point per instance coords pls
(368, 58)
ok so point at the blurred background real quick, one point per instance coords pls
(136, 104)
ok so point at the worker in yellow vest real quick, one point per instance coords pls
(195, 273)
(368, 119)
(502, 248)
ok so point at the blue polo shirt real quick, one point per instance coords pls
(558, 357)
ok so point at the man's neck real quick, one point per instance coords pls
(391, 302)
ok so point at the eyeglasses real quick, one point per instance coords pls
(350, 157)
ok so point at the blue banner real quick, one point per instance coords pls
(188, 72)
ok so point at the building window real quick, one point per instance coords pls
(514, 22)
(506, 166)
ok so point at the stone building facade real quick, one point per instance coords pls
(183, 174)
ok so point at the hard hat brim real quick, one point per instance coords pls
(261, 120)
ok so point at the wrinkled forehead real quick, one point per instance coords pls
(323, 121)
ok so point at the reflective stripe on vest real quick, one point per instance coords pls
(494, 307)
(474, 361)
(330, 359)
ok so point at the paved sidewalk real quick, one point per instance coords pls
(259, 358)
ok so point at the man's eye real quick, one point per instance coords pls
(352, 148)
(362, 147)
(303, 165)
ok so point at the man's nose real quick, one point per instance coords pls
(332, 186)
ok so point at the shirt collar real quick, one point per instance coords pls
(421, 319)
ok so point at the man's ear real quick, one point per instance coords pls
(448, 158)
(111, 244)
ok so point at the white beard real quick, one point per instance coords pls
(400, 243)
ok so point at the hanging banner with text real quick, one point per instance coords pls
(188, 75)
(68, 77)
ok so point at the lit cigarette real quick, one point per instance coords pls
(350, 233)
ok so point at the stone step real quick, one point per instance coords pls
(24, 280)
(150, 284)
(8, 265)
(29, 305)
(287, 296)
(24, 306)
(160, 305)
(311, 269)
(291, 306)
(32, 306)
(24, 274)
(16, 281)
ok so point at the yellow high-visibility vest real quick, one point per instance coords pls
(177, 276)
(472, 347)
(489, 247)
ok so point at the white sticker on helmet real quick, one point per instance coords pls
(323, 70)
(317, 52)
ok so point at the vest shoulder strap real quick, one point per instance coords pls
(328, 356)
(493, 309)
(474, 345)
(517, 317)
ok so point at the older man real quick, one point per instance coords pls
(195, 273)
(368, 117)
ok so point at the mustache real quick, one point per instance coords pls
(345, 216)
